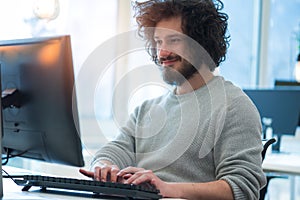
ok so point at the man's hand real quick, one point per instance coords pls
(104, 171)
(134, 175)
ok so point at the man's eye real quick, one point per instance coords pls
(158, 42)
(175, 40)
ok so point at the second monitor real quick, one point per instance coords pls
(280, 105)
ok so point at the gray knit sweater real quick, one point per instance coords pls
(210, 134)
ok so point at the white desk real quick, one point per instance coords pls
(281, 163)
(284, 164)
(13, 192)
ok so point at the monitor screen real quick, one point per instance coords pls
(282, 106)
(40, 119)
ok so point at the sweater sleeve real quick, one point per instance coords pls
(238, 150)
(120, 151)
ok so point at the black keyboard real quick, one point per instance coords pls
(129, 191)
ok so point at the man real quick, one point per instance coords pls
(202, 140)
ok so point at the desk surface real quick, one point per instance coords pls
(285, 163)
(13, 192)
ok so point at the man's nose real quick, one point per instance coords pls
(162, 53)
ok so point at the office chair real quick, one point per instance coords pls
(266, 144)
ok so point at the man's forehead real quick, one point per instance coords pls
(168, 26)
(166, 33)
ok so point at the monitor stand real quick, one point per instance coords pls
(8, 98)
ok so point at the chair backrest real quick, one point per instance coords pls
(266, 144)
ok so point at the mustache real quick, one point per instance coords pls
(169, 57)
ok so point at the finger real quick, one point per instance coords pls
(129, 170)
(153, 182)
(120, 179)
(113, 173)
(97, 173)
(127, 176)
(87, 173)
(140, 177)
(105, 173)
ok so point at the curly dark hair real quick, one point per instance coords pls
(202, 20)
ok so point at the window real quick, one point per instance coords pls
(89, 24)
(239, 66)
(282, 44)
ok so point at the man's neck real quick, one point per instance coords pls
(195, 82)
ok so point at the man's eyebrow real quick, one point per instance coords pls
(169, 36)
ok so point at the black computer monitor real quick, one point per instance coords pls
(286, 84)
(40, 119)
(281, 105)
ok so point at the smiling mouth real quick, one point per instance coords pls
(170, 60)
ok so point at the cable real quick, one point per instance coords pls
(11, 177)
(8, 156)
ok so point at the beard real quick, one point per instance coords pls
(177, 76)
